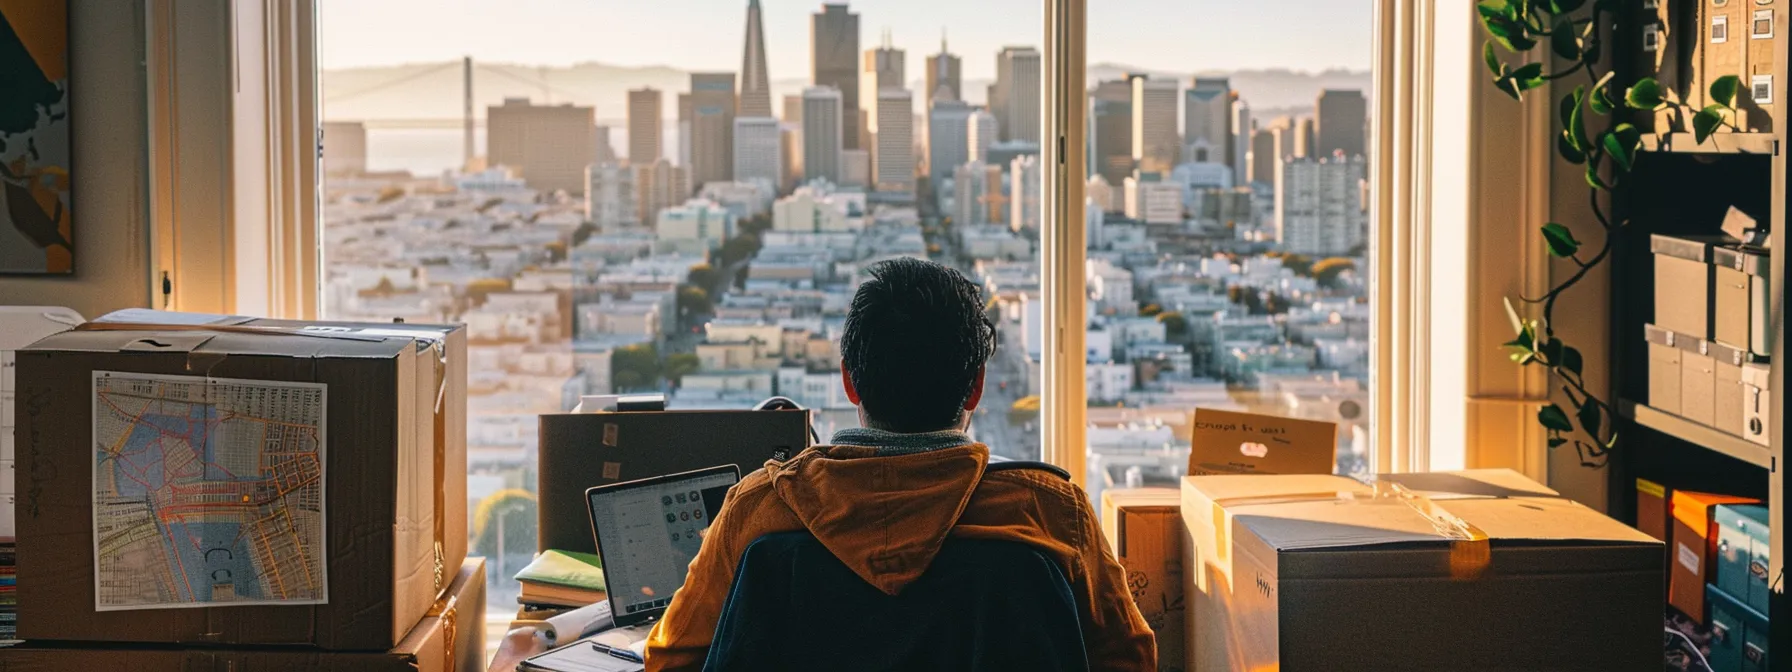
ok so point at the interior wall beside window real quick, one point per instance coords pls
(107, 111)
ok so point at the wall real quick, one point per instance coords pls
(111, 224)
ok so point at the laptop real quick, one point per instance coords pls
(647, 533)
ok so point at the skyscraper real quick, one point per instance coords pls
(980, 132)
(1110, 131)
(1240, 140)
(834, 61)
(755, 83)
(883, 71)
(824, 132)
(1306, 145)
(790, 137)
(712, 127)
(1342, 115)
(548, 145)
(610, 197)
(758, 144)
(895, 161)
(1155, 142)
(685, 112)
(1015, 98)
(1023, 193)
(660, 185)
(644, 118)
(1207, 121)
(942, 75)
(948, 139)
(1266, 151)
(1319, 205)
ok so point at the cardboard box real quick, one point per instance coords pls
(1743, 553)
(387, 546)
(1694, 549)
(1727, 394)
(1225, 442)
(1683, 278)
(1327, 573)
(1740, 290)
(1652, 509)
(1739, 635)
(451, 638)
(1144, 528)
(1664, 368)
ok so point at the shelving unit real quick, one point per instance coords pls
(1679, 187)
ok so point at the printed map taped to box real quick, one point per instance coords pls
(207, 492)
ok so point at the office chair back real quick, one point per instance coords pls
(981, 605)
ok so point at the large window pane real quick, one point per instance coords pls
(1228, 228)
(673, 197)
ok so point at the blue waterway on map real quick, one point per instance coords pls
(210, 553)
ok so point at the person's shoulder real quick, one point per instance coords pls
(1038, 479)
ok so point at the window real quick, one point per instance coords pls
(1228, 225)
(610, 210)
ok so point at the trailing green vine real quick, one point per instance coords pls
(1570, 30)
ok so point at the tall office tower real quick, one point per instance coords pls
(1240, 141)
(1342, 115)
(1207, 121)
(660, 185)
(791, 137)
(948, 138)
(686, 110)
(1110, 131)
(834, 62)
(548, 145)
(942, 75)
(855, 168)
(758, 146)
(1305, 144)
(824, 132)
(1319, 205)
(895, 169)
(1155, 142)
(712, 127)
(610, 197)
(970, 192)
(755, 83)
(1023, 193)
(645, 118)
(883, 71)
(1015, 98)
(601, 149)
(1266, 151)
(980, 132)
(1283, 128)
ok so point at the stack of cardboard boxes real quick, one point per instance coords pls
(211, 492)
(1688, 44)
(1710, 340)
(1286, 566)
(1718, 555)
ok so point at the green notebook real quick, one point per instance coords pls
(565, 568)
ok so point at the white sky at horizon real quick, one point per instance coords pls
(1174, 35)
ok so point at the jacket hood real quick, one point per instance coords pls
(885, 517)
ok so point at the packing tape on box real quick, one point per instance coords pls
(446, 610)
(1470, 549)
(373, 334)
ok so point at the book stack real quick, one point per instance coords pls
(559, 579)
(9, 591)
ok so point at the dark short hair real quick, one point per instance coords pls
(915, 337)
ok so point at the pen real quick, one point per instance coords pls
(618, 652)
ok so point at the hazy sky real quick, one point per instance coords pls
(1176, 35)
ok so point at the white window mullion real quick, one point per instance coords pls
(1061, 235)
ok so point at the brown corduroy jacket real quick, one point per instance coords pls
(885, 517)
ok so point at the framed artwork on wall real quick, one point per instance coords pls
(36, 227)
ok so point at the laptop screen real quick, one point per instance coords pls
(649, 531)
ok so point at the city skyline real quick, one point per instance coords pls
(1308, 35)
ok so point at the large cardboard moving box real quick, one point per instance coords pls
(212, 491)
(450, 638)
(1143, 526)
(1473, 570)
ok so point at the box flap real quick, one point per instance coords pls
(1469, 483)
(103, 337)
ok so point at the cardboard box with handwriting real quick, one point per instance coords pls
(1228, 442)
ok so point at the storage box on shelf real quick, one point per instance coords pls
(374, 468)
(450, 637)
(1694, 548)
(1739, 635)
(1743, 554)
(1707, 382)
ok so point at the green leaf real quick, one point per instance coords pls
(1564, 6)
(1510, 87)
(1577, 124)
(1644, 95)
(1706, 122)
(1552, 350)
(1620, 144)
(1492, 60)
(1593, 178)
(1565, 110)
(1601, 102)
(1555, 441)
(1501, 20)
(1590, 419)
(1553, 417)
(1570, 359)
(1563, 41)
(1565, 147)
(1526, 77)
(1561, 240)
(1724, 90)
